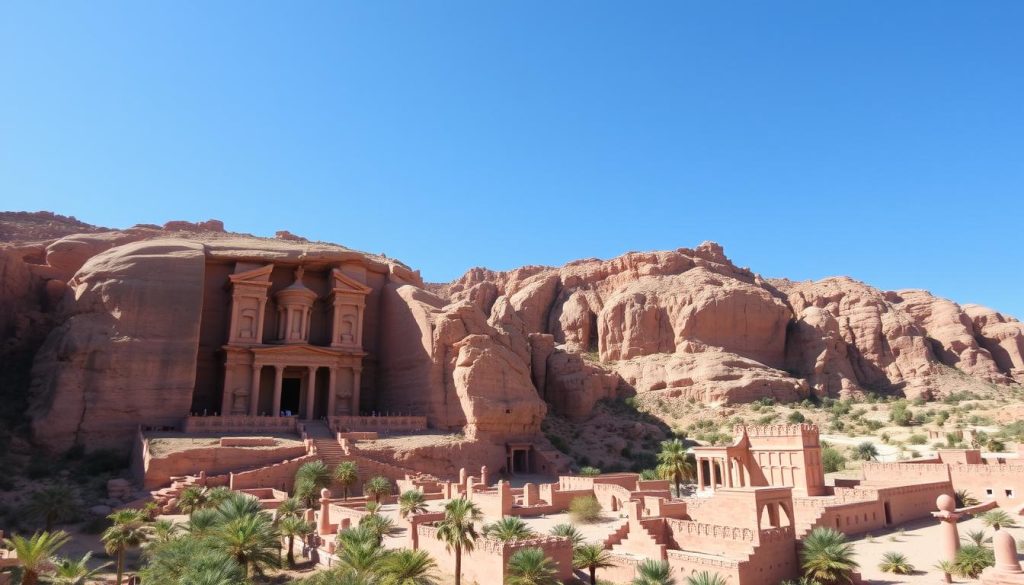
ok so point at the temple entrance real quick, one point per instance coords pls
(290, 395)
(518, 458)
(888, 514)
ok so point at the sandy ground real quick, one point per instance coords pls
(920, 543)
(164, 442)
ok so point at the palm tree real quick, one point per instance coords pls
(290, 527)
(866, 451)
(947, 568)
(202, 522)
(408, 567)
(997, 518)
(674, 463)
(373, 507)
(705, 578)
(458, 531)
(252, 540)
(964, 499)
(310, 479)
(411, 502)
(218, 494)
(895, 563)
(162, 531)
(530, 566)
(35, 553)
(72, 572)
(589, 471)
(568, 531)
(826, 557)
(653, 572)
(290, 507)
(191, 561)
(972, 559)
(591, 557)
(193, 498)
(380, 526)
(976, 537)
(55, 503)
(358, 551)
(238, 505)
(508, 528)
(346, 474)
(376, 487)
(128, 531)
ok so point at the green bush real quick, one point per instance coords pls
(917, 439)
(796, 417)
(901, 415)
(832, 460)
(584, 509)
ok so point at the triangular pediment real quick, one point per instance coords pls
(259, 276)
(343, 283)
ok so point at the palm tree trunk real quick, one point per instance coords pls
(593, 575)
(949, 578)
(291, 555)
(30, 578)
(120, 564)
(458, 565)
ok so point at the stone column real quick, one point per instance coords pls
(254, 390)
(310, 392)
(278, 381)
(228, 397)
(356, 372)
(1006, 554)
(485, 479)
(332, 379)
(324, 525)
(259, 321)
(700, 474)
(949, 536)
(713, 466)
(727, 467)
(530, 494)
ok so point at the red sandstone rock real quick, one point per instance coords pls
(1002, 336)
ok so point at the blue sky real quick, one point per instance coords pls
(883, 140)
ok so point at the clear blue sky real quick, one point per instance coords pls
(884, 140)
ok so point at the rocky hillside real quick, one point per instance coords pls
(690, 323)
(490, 354)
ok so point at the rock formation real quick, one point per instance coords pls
(129, 319)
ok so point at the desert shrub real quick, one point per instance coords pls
(901, 414)
(558, 443)
(941, 418)
(895, 563)
(590, 471)
(917, 439)
(873, 425)
(796, 417)
(972, 559)
(584, 509)
(766, 419)
(832, 460)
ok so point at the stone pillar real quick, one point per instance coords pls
(713, 468)
(278, 380)
(356, 372)
(310, 392)
(949, 539)
(484, 478)
(332, 390)
(727, 467)
(254, 390)
(259, 322)
(530, 494)
(700, 474)
(1006, 553)
(229, 384)
(324, 525)
(462, 479)
(469, 488)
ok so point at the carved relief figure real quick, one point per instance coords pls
(239, 400)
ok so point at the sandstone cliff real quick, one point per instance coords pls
(122, 313)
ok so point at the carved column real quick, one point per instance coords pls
(356, 372)
(254, 390)
(229, 383)
(332, 390)
(310, 392)
(700, 474)
(278, 382)
(728, 475)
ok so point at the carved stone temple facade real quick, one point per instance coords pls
(280, 371)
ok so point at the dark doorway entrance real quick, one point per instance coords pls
(888, 514)
(290, 392)
(520, 462)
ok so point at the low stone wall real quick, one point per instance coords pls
(489, 557)
(393, 424)
(279, 475)
(239, 424)
(158, 471)
(247, 441)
